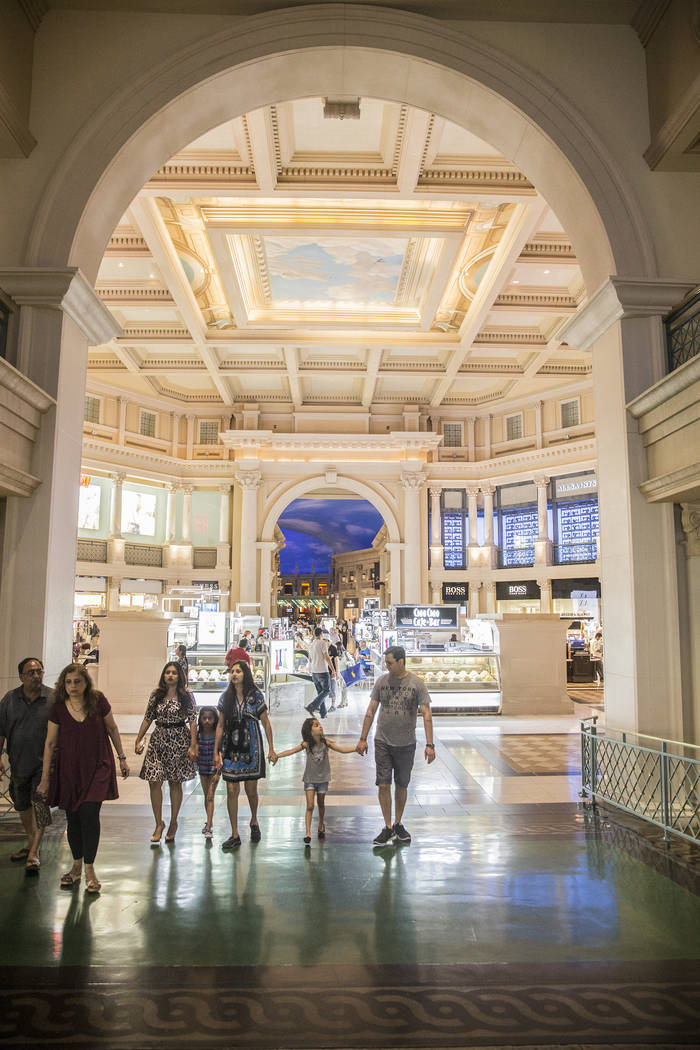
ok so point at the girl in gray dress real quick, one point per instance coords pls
(317, 772)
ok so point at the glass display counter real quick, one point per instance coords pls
(459, 680)
(208, 675)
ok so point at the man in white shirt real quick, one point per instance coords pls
(321, 671)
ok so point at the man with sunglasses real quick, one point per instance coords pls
(23, 717)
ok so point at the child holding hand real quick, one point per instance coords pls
(317, 772)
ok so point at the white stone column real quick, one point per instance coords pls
(223, 547)
(538, 423)
(170, 519)
(472, 511)
(268, 600)
(250, 481)
(174, 433)
(113, 593)
(412, 482)
(395, 595)
(471, 442)
(474, 603)
(60, 316)
(190, 437)
(489, 551)
(543, 544)
(490, 592)
(545, 586)
(622, 326)
(187, 514)
(115, 522)
(122, 403)
(690, 520)
(436, 548)
(487, 425)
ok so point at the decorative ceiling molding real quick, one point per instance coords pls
(128, 295)
(506, 179)
(156, 332)
(203, 177)
(179, 395)
(127, 244)
(546, 302)
(551, 249)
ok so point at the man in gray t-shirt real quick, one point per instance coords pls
(399, 695)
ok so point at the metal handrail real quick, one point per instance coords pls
(656, 783)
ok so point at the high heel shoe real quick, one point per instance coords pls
(172, 831)
(157, 834)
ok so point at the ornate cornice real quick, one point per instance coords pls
(118, 295)
(549, 302)
(23, 388)
(506, 178)
(63, 289)
(674, 486)
(671, 385)
(14, 482)
(548, 249)
(257, 439)
(127, 243)
(621, 298)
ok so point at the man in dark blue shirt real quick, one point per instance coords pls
(23, 717)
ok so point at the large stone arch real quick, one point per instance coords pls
(345, 483)
(334, 49)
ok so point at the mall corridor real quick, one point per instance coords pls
(515, 917)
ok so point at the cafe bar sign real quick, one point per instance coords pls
(427, 617)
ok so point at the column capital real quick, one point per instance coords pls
(119, 477)
(488, 585)
(541, 480)
(473, 490)
(622, 298)
(435, 491)
(172, 486)
(249, 479)
(488, 488)
(543, 582)
(188, 489)
(412, 480)
(66, 289)
(690, 520)
(225, 487)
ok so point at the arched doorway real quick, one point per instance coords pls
(291, 54)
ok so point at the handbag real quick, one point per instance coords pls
(353, 674)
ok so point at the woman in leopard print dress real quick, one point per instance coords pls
(172, 749)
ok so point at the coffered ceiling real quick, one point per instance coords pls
(292, 259)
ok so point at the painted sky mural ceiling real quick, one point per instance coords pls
(316, 529)
(306, 269)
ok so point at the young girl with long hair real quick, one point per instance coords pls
(81, 724)
(208, 773)
(238, 748)
(172, 749)
(317, 771)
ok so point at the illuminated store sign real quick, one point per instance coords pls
(506, 592)
(427, 617)
(455, 592)
(571, 486)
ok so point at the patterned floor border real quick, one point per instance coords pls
(628, 1004)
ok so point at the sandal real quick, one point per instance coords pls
(21, 854)
(322, 833)
(93, 886)
(69, 879)
(157, 834)
(32, 866)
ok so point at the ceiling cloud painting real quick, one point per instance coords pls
(316, 529)
(334, 269)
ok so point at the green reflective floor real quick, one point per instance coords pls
(509, 896)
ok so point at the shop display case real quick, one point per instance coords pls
(459, 663)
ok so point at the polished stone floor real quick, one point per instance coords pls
(515, 917)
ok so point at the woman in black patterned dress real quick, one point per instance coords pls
(172, 749)
(238, 746)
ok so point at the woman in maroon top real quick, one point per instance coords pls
(80, 726)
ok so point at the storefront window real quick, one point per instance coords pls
(454, 517)
(576, 523)
(517, 524)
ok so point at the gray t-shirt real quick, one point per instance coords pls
(23, 724)
(399, 702)
(318, 765)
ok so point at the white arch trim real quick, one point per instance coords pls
(345, 483)
(332, 49)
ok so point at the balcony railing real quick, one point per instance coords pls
(683, 333)
(143, 554)
(511, 557)
(92, 550)
(204, 558)
(572, 553)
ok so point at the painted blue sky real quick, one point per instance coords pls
(316, 529)
(306, 269)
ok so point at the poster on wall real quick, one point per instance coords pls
(89, 507)
(212, 628)
(138, 513)
(281, 657)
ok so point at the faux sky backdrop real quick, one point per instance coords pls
(316, 529)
